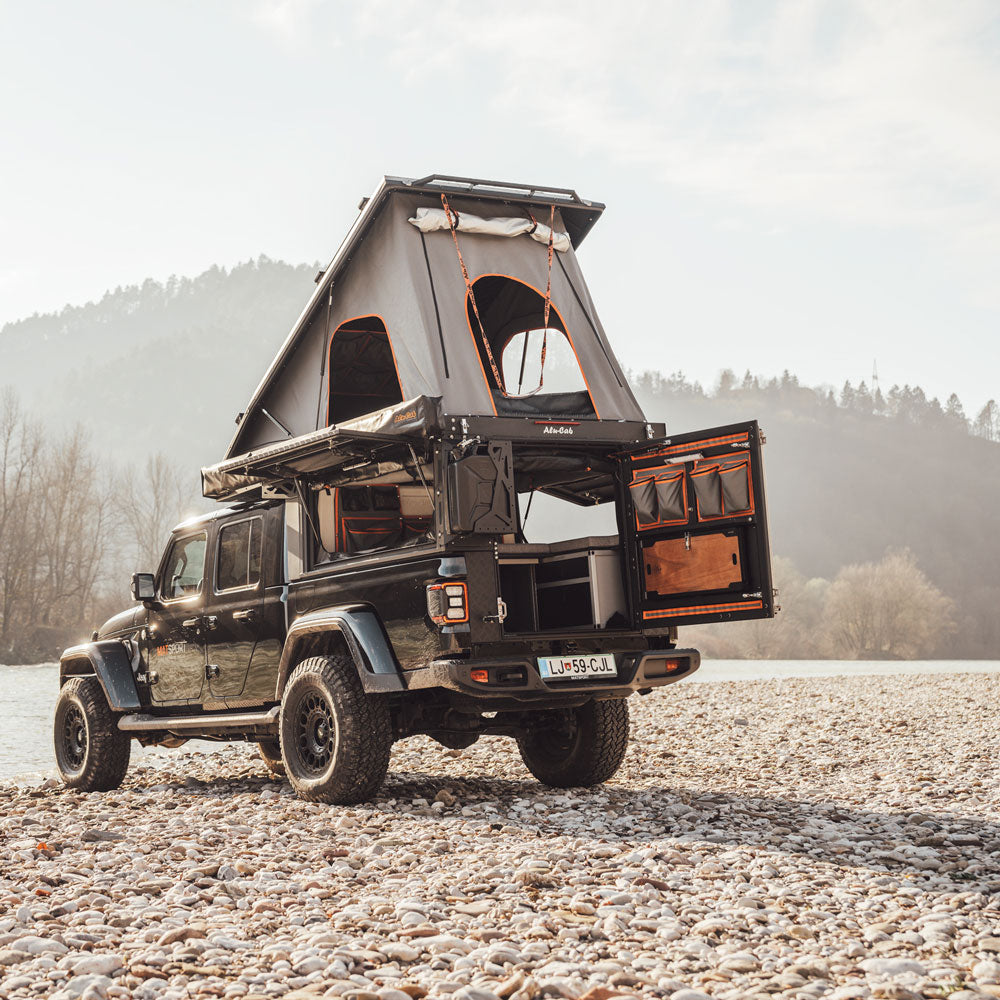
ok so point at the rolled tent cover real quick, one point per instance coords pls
(429, 220)
(390, 320)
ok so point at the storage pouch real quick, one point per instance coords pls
(644, 500)
(671, 497)
(362, 534)
(385, 498)
(735, 477)
(354, 498)
(415, 528)
(708, 491)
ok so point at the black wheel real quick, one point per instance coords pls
(92, 753)
(581, 746)
(270, 754)
(335, 739)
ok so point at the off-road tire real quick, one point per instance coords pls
(335, 739)
(270, 754)
(580, 747)
(92, 753)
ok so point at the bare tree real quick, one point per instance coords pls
(150, 505)
(886, 610)
(796, 633)
(75, 509)
(20, 451)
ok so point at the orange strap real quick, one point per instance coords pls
(453, 224)
(548, 300)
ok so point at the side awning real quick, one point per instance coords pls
(382, 438)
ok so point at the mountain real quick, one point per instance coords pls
(158, 366)
(165, 367)
(849, 478)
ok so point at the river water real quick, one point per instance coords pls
(28, 694)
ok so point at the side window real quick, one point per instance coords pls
(184, 568)
(363, 373)
(238, 559)
(534, 372)
(521, 364)
(354, 520)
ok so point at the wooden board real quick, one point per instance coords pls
(711, 563)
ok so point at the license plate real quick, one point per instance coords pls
(568, 668)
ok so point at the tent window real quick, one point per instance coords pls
(362, 373)
(513, 316)
(562, 372)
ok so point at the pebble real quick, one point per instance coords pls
(97, 965)
(892, 966)
(986, 972)
(723, 861)
(397, 952)
(90, 987)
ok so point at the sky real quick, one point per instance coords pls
(812, 186)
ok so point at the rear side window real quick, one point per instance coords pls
(184, 568)
(238, 558)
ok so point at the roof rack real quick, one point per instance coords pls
(474, 184)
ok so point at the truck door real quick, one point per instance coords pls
(177, 648)
(244, 644)
(237, 603)
(695, 524)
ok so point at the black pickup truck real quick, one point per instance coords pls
(370, 577)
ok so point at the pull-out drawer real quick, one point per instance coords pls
(571, 590)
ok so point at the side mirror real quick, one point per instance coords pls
(143, 587)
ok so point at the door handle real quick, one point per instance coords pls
(190, 623)
(248, 616)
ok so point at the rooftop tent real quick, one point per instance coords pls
(393, 317)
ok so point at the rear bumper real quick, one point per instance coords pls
(518, 678)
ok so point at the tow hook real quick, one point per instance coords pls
(501, 616)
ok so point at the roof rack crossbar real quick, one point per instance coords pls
(532, 190)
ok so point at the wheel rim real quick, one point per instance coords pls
(74, 737)
(315, 732)
(558, 739)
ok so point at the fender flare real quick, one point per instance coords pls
(111, 662)
(366, 640)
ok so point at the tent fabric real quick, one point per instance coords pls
(430, 220)
(412, 282)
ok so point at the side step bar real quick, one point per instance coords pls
(218, 720)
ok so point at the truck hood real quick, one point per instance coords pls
(122, 621)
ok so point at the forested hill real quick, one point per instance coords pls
(850, 475)
(164, 367)
(158, 366)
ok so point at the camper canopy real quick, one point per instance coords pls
(462, 291)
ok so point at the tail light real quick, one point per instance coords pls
(448, 603)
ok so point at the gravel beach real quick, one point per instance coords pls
(834, 837)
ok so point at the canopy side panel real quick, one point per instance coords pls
(387, 277)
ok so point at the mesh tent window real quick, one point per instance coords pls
(513, 318)
(362, 370)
